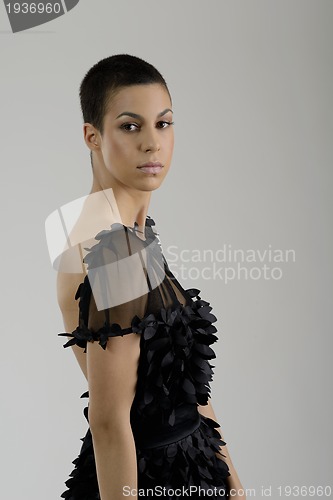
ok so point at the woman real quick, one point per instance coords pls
(141, 340)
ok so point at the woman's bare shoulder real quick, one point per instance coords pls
(95, 217)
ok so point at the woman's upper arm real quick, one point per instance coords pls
(112, 378)
(67, 285)
(66, 302)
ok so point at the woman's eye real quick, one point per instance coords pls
(126, 126)
(165, 123)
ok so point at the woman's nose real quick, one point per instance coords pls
(150, 142)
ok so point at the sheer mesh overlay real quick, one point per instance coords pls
(126, 274)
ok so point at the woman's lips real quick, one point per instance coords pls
(151, 167)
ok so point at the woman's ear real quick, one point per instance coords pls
(91, 136)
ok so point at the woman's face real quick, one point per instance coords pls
(137, 130)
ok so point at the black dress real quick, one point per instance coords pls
(176, 446)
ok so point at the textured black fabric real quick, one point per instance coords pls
(176, 446)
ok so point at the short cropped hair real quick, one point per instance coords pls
(107, 77)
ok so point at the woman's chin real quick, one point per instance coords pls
(150, 183)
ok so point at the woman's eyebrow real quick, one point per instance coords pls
(135, 115)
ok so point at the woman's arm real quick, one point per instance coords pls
(112, 377)
(67, 284)
(233, 480)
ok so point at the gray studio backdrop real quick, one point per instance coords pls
(252, 170)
